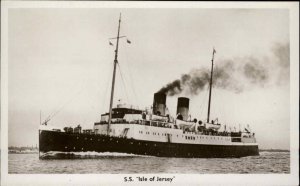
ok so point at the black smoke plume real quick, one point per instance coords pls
(233, 74)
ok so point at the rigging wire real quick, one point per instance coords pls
(66, 103)
(202, 104)
(126, 93)
(107, 87)
(218, 107)
(130, 78)
(61, 96)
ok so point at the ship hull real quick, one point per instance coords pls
(75, 142)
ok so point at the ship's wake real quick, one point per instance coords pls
(86, 155)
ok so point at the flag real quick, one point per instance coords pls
(214, 51)
(128, 41)
(111, 44)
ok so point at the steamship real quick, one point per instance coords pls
(152, 131)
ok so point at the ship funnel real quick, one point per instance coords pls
(159, 103)
(183, 108)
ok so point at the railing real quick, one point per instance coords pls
(154, 123)
(140, 122)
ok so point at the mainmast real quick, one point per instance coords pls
(210, 83)
(113, 79)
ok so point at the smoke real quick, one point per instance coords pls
(255, 72)
(234, 74)
(282, 60)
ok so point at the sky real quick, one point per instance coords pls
(60, 63)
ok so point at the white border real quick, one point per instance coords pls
(181, 179)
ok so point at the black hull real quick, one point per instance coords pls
(72, 142)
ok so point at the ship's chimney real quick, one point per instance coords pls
(183, 108)
(159, 104)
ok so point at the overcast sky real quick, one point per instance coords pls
(61, 60)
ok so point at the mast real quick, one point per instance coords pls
(113, 79)
(210, 83)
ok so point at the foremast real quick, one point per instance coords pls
(113, 79)
(210, 84)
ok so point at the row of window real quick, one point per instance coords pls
(154, 133)
(189, 137)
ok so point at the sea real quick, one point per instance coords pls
(115, 163)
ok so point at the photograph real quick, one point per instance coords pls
(145, 92)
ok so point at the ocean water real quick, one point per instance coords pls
(113, 163)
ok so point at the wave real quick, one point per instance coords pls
(88, 154)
